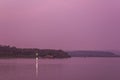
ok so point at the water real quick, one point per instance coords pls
(60, 69)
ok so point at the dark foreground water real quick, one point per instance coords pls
(60, 69)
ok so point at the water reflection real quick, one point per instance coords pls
(17, 69)
(37, 65)
(60, 69)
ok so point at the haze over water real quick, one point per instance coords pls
(60, 69)
(61, 24)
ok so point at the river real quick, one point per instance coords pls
(75, 68)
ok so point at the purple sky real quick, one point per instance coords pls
(61, 24)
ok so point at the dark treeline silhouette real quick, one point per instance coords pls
(13, 52)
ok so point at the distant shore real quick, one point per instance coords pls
(13, 52)
(92, 54)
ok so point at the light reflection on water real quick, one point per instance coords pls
(60, 69)
(37, 67)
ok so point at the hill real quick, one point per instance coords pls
(92, 54)
(13, 52)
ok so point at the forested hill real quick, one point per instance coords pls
(13, 52)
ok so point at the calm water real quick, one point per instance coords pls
(60, 69)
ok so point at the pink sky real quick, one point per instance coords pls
(61, 24)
